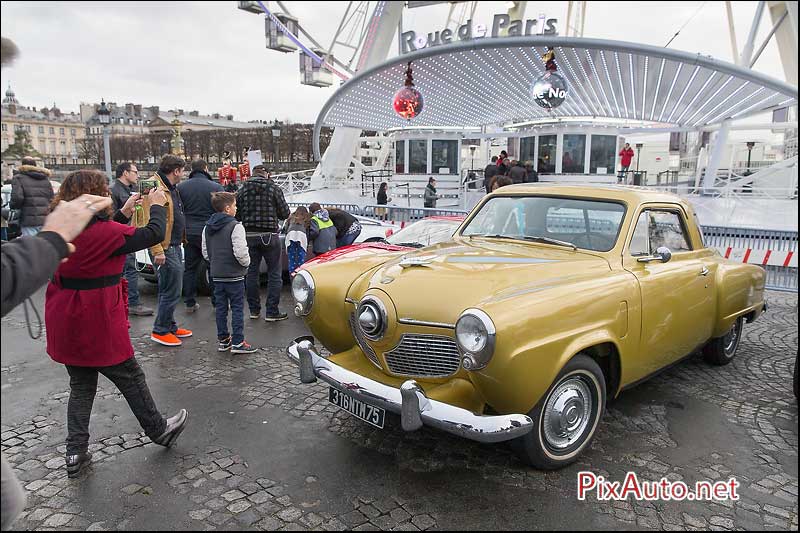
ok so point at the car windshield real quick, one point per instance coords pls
(424, 233)
(588, 224)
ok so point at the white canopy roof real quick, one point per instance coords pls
(488, 82)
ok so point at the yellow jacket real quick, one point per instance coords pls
(141, 217)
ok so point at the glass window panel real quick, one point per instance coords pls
(574, 154)
(666, 230)
(527, 145)
(547, 154)
(604, 151)
(400, 157)
(588, 224)
(639, 242)
(418, 156)
(444, 155)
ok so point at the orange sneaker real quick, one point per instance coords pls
(181, 333)
(167, 339)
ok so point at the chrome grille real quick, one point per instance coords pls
(424, 356)
(362, 342)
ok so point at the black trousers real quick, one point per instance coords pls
(129, 378)
(193, 256)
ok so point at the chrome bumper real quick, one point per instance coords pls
(409, 401)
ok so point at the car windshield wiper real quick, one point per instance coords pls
(410, 244)
(548, 240)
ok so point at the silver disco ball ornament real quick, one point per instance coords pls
(549, 90)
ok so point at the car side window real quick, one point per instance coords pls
(640, 243)
(665, 229)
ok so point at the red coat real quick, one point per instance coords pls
(244, 171)
(90, 327)
(226, 175)
(627, 156)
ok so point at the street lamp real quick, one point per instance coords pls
(472, 149)
(750, 146)
(638, 176)
(104, 115)
(276, 135)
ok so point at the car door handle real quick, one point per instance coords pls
(704, 272)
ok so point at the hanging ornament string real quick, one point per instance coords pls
(300, 45)
(407, 101)
(550, 89)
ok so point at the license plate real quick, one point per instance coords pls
(368, 413)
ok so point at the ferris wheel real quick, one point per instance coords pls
(364, 34)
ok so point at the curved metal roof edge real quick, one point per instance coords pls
(539, 40)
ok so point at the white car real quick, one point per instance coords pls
(371, 230)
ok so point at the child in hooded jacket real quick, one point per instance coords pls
(297, 238)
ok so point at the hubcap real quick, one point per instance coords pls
(567, 413)
(731, 339)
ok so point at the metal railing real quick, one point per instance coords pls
(778, 277)
(407, 214)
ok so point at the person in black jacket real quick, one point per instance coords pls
(383, 199)
(490, 172)
(261, 206)
(517, 172)
(348, 228)
(31, 192)
(27, 264)
(196, 195)
(121, 190)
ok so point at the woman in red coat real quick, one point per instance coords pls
(87, 317)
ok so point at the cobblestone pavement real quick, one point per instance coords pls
(264, 452)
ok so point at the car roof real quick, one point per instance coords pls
(629, 194)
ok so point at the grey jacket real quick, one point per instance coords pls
(32, 192)
(225, 248)
(27, 264)
(322, 232)
(430, 196)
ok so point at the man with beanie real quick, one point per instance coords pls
(260, 207)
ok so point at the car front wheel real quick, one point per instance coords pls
(722, 350)
(566, 418)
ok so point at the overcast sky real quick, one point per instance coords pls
(211, 56)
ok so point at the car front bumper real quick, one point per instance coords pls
(409, 401)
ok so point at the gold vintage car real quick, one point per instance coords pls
(547, 301)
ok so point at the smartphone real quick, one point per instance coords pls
(147, 185)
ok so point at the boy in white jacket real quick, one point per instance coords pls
(225, 249)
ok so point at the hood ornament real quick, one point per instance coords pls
(423, 260)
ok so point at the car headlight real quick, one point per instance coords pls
(303, 292)
(475, 336)
(372, 318)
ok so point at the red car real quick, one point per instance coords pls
(425, 232)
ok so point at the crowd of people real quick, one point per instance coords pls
(502, 171)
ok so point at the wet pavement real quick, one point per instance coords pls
(262, 451)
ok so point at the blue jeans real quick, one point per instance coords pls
(233, 292)
(193, 252)
(132, 275)
(348, 239)
(30, 230)
(170, 279)
(266, 246)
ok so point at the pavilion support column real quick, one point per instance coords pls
(720, 141)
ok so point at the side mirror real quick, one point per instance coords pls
(662, 254)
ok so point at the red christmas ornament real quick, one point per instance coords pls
(408, 100)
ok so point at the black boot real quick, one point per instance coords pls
(175, 425)
(75, 463)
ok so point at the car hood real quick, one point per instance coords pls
(437, 283)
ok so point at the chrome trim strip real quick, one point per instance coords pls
(351, 301)
(413, 322)
(409, 400)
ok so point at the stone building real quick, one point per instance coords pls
(55, 135)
